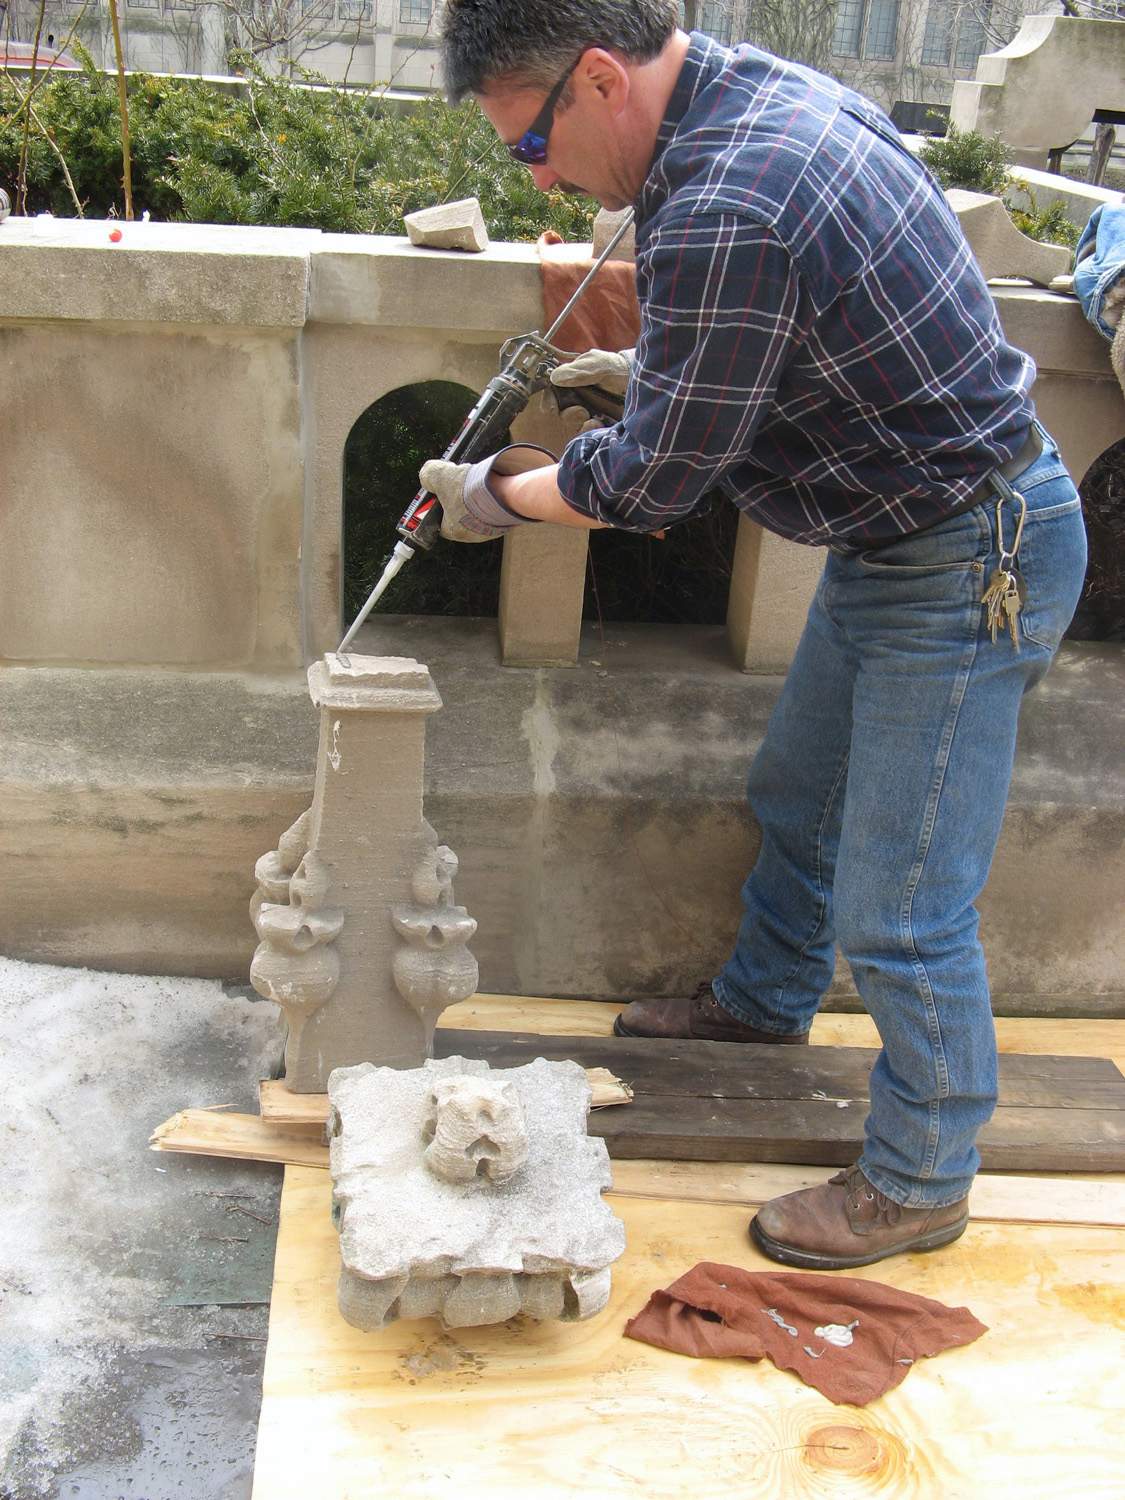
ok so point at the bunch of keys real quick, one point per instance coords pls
(1006, 593)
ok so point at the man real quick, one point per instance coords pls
(818, 342)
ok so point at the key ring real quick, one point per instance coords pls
(1006, 492)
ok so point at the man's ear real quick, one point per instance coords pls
(606, 75)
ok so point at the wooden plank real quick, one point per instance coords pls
(1019, 1198)
(276, 1102)
(732, 1070)
(830, 1029)
(821, 1133)
(202, 1132)
(1029, 1199)
(570, 1411)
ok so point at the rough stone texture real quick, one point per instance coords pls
(158, 273)
(543, 573)
(1041, 90)
(141, 526)
(606, 225)
(1000, 248)
(474, 1250)
(1076, 396)
(600, 810)
(449, 226)
(360, 942)
(771, 583)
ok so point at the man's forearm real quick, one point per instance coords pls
(536, 495)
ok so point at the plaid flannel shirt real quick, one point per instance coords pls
(817, 340)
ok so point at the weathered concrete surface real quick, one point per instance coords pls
(472, 1249)
(144, 526)
(135, 1286)
(597, 812)
(999, 247)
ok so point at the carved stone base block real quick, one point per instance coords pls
(361, 943)
(469, 1194)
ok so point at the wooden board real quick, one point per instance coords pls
(1067, 1199)
(723, 1101)
(204, 1132)
(278, 1103)
(595, 1018)
(1034, 1409)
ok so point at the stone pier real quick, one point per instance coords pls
(360, 942)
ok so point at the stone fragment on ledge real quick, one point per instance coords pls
(469, 1194)
(449, 226)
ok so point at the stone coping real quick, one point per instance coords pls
(220, 274)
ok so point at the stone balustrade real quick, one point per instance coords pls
(175, 408)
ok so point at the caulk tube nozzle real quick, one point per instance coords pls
(401, 553)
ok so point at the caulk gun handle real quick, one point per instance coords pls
(596, 401)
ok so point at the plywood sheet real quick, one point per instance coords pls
(1034, 1409)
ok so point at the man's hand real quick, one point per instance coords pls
(470, 510)
(596, 367)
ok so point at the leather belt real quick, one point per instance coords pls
(1030, 450)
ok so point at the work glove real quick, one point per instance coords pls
(596, 367)
(470, 511)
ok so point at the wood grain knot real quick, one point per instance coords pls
(850, 1450)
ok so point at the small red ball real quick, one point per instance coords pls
(115, 235)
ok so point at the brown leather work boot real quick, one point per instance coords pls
(846, 1222)
(699, 1018)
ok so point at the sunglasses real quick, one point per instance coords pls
(531, 148)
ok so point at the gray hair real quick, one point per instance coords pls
(531, 42)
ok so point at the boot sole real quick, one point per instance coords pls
(789, 1255)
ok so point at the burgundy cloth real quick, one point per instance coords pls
(607, 317)
(719, 1312)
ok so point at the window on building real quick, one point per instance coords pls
(415, 12)
(355, 10)
(937, 42)
(866, 28)
(849, 28)
(715, 19)
(881, 40)
(972, 37)
(955, 33)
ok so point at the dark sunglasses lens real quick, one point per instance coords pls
(531, 148)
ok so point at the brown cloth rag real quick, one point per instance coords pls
(720, 1311)
(607, 316)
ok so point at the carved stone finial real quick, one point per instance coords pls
(475, 1129)
(361, 943)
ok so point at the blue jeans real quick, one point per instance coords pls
(880, 789)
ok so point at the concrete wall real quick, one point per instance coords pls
(170, 559)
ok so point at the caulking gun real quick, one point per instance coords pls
(526, 363)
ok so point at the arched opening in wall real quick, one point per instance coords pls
(386, 447)
(682, 580)
(1100, 615)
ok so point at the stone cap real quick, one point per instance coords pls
(396, 1217)
(373, 684)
